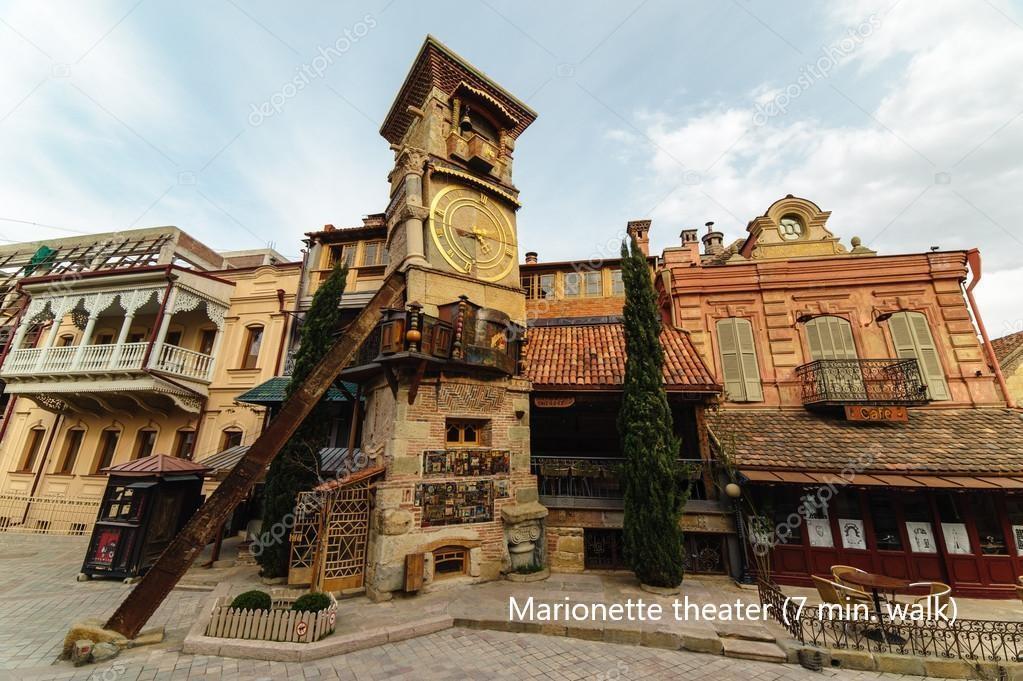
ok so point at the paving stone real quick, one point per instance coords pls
(761, 651)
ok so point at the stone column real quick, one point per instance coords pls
(411, 164)
(90, 326)
(19, 334)
(122, 336)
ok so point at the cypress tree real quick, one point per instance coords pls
(297, 467)
(655, 486)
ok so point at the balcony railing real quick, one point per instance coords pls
(862, 381)
(593, 482)
(90, 359)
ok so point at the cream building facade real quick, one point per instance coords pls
(111, 359)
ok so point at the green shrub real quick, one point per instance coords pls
(252, 600)
(529, 569)
(312, 602)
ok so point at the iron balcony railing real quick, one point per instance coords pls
(862, 381)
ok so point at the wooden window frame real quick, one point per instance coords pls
(380, 253)
(68, 458)
(30, 451)
(140, 445)
(250, 361)
(104, 438)
(450, 555)
(180, 440)
(227, 434)
(461, 425)
(617, 283)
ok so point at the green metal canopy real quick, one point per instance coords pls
(271, 392)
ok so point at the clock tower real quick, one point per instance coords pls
(447, 409)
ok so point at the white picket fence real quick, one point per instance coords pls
(47, 515)
(278, 624)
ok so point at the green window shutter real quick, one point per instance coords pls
(813, 339)
(748, 357)
(912, 338)
(731, 364)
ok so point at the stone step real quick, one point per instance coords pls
(748, 631)
(760, 651)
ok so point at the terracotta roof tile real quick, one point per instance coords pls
(592, 356)
(1006, 345)
(934, 441)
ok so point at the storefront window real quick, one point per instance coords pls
(781, 506)
(850, 519)
(1014, 509)
(919, 528)
(989, 526)
(886, 527)
(953, 525)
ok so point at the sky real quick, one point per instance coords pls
(904, 118)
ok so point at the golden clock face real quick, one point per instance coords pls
(473, 233)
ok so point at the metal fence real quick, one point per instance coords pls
(971, 640)
(862, 381)
(47, 515)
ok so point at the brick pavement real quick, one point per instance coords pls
(39, 599)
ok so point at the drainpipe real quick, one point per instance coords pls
(973, 260)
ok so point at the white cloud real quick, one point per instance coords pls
(933, 160)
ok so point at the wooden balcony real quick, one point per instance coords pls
(877, 382)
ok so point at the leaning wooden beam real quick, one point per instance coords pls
(147, 595)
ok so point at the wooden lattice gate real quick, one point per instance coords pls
(346, 532)
(303, 537)
(331, 531)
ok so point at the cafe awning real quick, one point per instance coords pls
(882, 480)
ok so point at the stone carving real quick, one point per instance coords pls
(523, 530)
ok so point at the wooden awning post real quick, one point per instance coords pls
(150, 592)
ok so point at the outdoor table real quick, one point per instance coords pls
(877, 584)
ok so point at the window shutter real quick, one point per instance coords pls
(731, 366)
(912, 338)
(830, 338)
(748, 357)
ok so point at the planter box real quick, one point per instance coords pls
(280, 623)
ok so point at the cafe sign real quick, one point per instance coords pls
(553, 402)
(870, 413)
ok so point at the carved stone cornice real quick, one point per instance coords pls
(410, 161)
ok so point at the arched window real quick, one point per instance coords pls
(145, 442)
(69, 455)
(253, 341)
(33, 445)
(184, 443)
(830, 337)
(739, 365)
(911, 337)
(231, 437)
(107, 449)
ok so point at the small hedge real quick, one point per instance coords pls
(311, 602)
(252, 600)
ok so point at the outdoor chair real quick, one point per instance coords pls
(838, 571)
(938, 592)
(1019, 592)
(840, 594)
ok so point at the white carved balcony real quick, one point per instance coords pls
(149, 337)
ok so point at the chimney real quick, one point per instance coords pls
(531, 257)
(328, 228)
(688, 236)
(713, 242)
(690, 246)
(640, 231)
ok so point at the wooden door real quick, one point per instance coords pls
(304, 538)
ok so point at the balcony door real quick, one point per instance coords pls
(830, 338)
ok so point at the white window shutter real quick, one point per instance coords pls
(748, 361)
(731, 365)
(912, 338)
(830, 338)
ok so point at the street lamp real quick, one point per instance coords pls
(734, 492)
